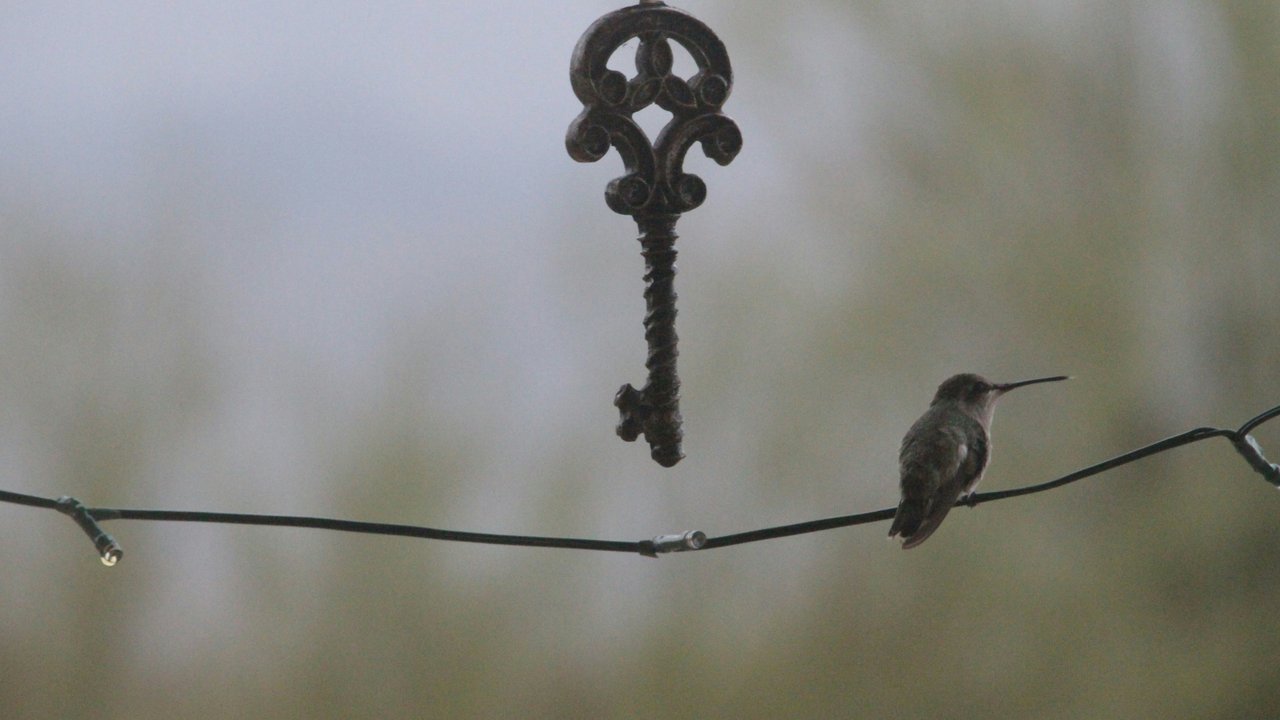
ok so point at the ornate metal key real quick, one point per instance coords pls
(655, 189)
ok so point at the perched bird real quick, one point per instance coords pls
(945, 451)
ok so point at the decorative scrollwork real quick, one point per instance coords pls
(655, 180)
(655, 188)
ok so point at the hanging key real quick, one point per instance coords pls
(655, 189)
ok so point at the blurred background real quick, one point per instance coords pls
(333, 259)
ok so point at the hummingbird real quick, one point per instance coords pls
(945, 452)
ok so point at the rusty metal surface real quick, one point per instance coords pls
(655, 189)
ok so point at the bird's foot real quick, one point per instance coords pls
(970, 500)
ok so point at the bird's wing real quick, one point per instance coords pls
(928, 461)
(938, 504)
(931, 488)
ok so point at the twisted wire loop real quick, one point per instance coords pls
(109, 551)
(654, 190)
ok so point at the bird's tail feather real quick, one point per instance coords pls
(916, 520)
(906, 521)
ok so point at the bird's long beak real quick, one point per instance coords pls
(1006, 387)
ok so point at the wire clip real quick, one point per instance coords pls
(691, 540)
(108, 549)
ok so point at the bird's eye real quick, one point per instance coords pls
(980, 388)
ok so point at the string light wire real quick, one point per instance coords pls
(88, 518)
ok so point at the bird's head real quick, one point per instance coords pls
(977, 394)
